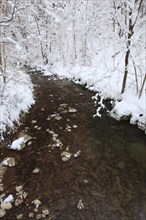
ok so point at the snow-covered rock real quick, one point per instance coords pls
(9, 162)
(10, 198)
(19, 143)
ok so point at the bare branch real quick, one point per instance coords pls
(10, 19)
(138, 11)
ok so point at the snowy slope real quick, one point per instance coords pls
(16, 97)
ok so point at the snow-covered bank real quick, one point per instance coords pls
(131, 105)
(16, 96)
(108, 85)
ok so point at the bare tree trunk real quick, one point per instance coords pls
(136, 78)
(74, 44)
(127, 10)
(142, 87)
(130, 33)
(126, 71)
(41, 45)
(85, 39)
(74, 35)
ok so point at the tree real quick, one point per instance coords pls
(127, 14)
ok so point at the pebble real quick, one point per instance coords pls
(6, 205)
(45, 212)
(58, 117)
(2, 195)
(18, 202)
(80, 204)
(2, 213)
(25, 195)
(36, 210)
(29, 143)
(77, 154)
(85, 181)
(19, 188)
(69, 130)
(31, 215)
(43, 216)
(1, 188)
(64, 111)
(33, 121)
(72, 110)
(37, 202)
(75, 126)
(36, 170)
(64, 159)
(66, 154)
(38, 216)
(63, 105)
(20, 216)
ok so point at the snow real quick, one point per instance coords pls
(16, 97)
(132, 106)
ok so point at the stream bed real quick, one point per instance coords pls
(78, 167)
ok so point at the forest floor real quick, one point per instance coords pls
(75, 167)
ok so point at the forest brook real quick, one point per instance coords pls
(75, 166)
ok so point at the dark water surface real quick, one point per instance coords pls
(107, 179)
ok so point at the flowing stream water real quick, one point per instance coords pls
(103, 175)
